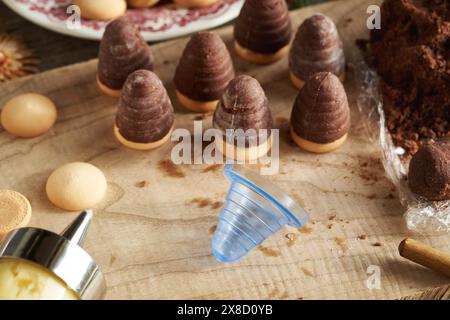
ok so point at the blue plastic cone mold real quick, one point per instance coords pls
(254, 209)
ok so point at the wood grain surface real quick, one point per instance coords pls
(441, 293)
(151, 235)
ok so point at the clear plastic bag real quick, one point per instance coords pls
(421, 215)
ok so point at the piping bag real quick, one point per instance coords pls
(254, 209)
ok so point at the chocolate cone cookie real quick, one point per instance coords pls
(122, 51)
(316, 48)
(263, 31)
(203, 72)
(244, 106)
(429, 172)
(144, 119)
(320, 119)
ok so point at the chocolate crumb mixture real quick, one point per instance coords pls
(411, 53)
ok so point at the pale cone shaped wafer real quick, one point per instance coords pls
(244, 154)
(299, 83)
(108, 91)
(317, 147)
(15, 211)
(196, 106)
(260, 58)
(141, 146)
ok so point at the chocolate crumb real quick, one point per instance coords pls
(203, 116)
(273, 293)
(370, 177)
(142, 184)
(332, 216)
(216, 205)
(201, 202)
(205, 202)
(341, 243)
(347, 22)
(305, 230)
(377, 244)
(285, 295)
(170, 169)
(307, 272)
(269, 252)
(112, 259)
(362, 237)
(212, 229)
(411, 54)
(213, 168)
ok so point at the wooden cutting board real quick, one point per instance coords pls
(151, 235)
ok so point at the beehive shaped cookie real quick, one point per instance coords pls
(263, 31)
(204, 70)
(122, 51)
(244, 106)
(144, 119)
(320, 118)
(316, 47)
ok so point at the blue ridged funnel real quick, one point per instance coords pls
(254, 209)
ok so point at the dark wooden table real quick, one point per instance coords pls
(54, 50)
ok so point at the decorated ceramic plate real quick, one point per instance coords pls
(161, 22)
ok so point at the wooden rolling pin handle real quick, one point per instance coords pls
(425, 255)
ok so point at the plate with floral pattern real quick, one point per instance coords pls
(161, 22)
